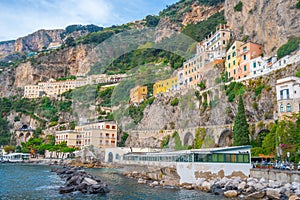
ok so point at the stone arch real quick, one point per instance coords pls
(188, 139)
(226, 138)
(110, 157)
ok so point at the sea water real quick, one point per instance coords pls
(23, 181)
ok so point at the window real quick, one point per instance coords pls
(244, 49)
(254, 65)
(281, 108)
(233, 54)
(228, 57)
(288, 108)
(245, 68)
(233, 62)
(284, 94)
(228, 65)
(234, 72)
(299, 106)
(245, 57)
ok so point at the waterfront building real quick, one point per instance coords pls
(288, 96)
(138, 94)
(165, 85)
(101, 134)
(191, 164)
(232, 60)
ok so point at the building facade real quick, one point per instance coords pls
(233, 60)
(138, 94)
(247, 52)
(165, 85)
(288, 96)
(101, 134)
(53, 88)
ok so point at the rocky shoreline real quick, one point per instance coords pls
(235, 187)
(76, 179)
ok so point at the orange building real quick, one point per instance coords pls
(138, 94)
(247, 52)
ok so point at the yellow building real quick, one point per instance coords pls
(138, 94)
(232, 59)
(101, 134)
(165, 85)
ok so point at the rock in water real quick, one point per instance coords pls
(230, 193)
(78, 180)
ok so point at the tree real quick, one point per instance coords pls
(9, 148)
(70, 42)
(240, 127)
(152, 21)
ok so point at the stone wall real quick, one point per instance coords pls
(283, 176)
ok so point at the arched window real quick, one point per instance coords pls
(281, 108)
(288, 108)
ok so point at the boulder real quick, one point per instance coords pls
(294, 197)
(205, 186)
(295, 186)
(273, 193)
(81, 187)
(230, 193)
(89, 181)
(256, 195)
(68, 189)
(223, 181)
(258, 186)
(216, 189)
(142, 181)
(242, 185)
(262, 180)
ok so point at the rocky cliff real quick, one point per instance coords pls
(6, 47)
(270, 23)
(37, 40)
(67, 62)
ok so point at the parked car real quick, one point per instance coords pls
(299, 166)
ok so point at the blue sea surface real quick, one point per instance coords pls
(23, 181)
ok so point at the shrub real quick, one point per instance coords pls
(175, 102)
(165, 141)
(238, 7)
(202, 85)
(255, 106)
(298, 4)
(258, 89)
(298, 73)
(289, 47)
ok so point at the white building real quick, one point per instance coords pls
(288, 96)
(258, 65)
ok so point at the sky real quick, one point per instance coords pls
(22, 17)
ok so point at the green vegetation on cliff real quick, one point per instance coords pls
(201, 29)
(289, 47)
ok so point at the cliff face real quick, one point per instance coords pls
(70, 61)
(37, 40)
(270, 23)
(200, 13)
(6, 47)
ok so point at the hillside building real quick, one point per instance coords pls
(165, 85)
(288, 96)
(233, 60)
(138, 94)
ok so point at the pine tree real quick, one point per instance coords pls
(240, 127)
